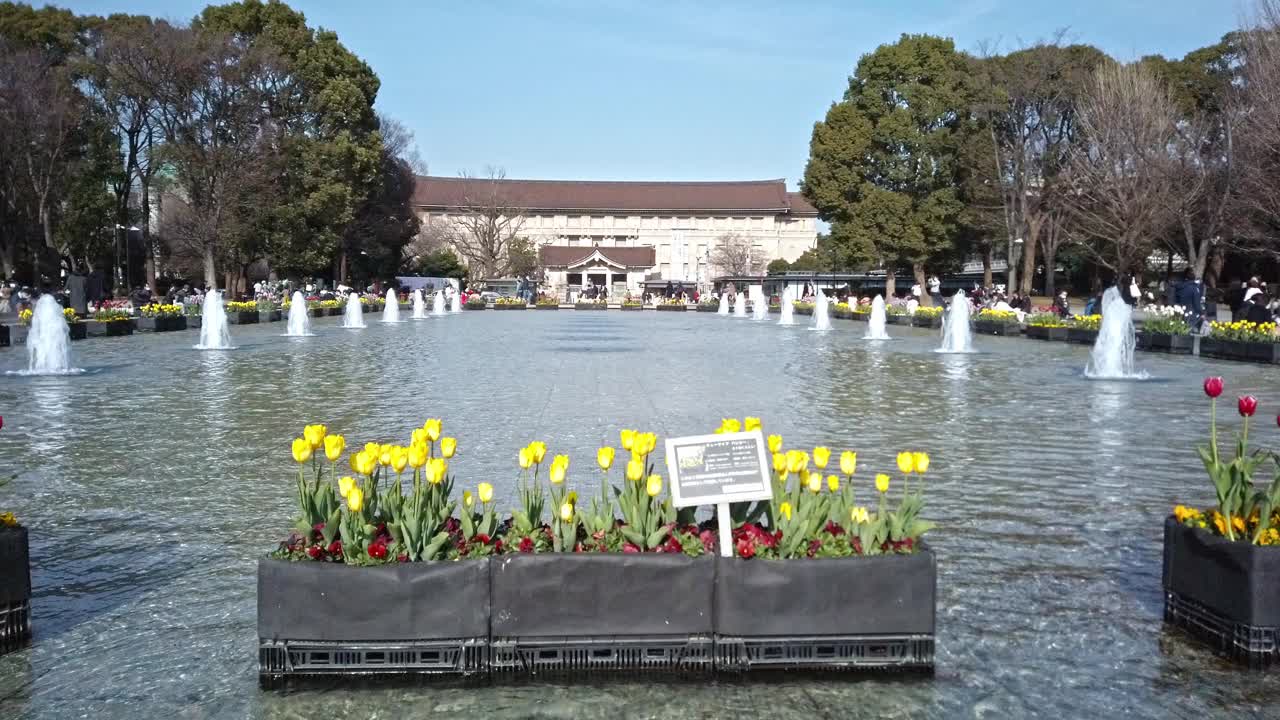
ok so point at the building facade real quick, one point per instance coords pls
(623, 234)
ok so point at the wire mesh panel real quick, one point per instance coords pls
(1257, 646)
(15, 625)
(862, 652)
(279, 659)
(676, 655)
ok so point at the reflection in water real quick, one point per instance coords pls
(153, 486)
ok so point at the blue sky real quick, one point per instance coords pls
(652, 89)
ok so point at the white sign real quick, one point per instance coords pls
(717, 470)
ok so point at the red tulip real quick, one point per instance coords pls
(1247, 405)
(1213, 386)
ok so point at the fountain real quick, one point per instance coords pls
(875, 323)
(353, 317)
(455, 301)
(391, 311)
(299, 318)
(724, 303)
(214, 331)
(49, 341)
(821, 313)
(956, 336)
(419, 305)
(759, 306)
(740, 307)
(1112, 356)
(788, 308)
(437, 304)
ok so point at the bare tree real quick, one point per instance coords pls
(488, 219)
(736, 255)
(398, 141)
(1119, 194)
(1259, 131)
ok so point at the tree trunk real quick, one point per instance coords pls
(146, 237)
(210, 269)
(988, 257)
(1029, 244)
(890, 284)
(917, 269)
(342, 268)
(1214, 269)
(1011, 272)
(46, 224)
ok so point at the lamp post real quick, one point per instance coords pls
(1015, 256)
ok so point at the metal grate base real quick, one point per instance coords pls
(297, 658)
(1251, 644)
(678, 655)
(859, 652)
(15, 626)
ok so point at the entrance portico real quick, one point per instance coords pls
(573, 269)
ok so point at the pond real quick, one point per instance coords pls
(153, 482)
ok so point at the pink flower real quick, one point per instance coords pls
(1247, 405)
(630, 548)
(1213, 386)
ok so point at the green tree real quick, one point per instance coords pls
(522, 258)
(883, 163)
(778, 266)
(439, 263)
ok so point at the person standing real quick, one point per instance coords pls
(1061, 305)
(935, 289)
(1190, 295)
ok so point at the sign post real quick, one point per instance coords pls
(717, 470)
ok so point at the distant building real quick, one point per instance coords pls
(621, 234)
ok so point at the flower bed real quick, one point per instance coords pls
(996, 322)
(24, 316)
(632, 305)
(673, 305)
(927, 317)
(861, 313)
(591, 305)
(1242, 340)
(1166, 330)
(802, 308)
(161, 318)
(547, 303)
(628, 591)
(15, 585)
(110, 322)
(474, 302)
(510, 303)
(775, 309)
(842, 311)
(710, 306)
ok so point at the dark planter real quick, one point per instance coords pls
(842, 314)
(590, 306)
(548, 307)
(890, 319)
(317, 312)
(832, 613)
(600, 612)
(631, 308)
(114, 328)
(861, 316)
(473, 306)
(161, 324)
(1041, 332)
(775, 309)
(927, 321)
(1082, 336)
(4, 336)
(270, 316)
(318, 618)
(79, 330)
(334, 312)
(1236, 350)
(988, 327)
(663, 307)
(712, 308)
(18, 334)
(194, 322)
(1172, 344)
(1223, 592)
(15, 589)
(509, 306)
(802, 311)
(246, 317)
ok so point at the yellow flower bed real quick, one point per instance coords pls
(24, 317)
(236, 306)
(999, 316)
(932, 311)
(1244, 331)
(1086, 322)
(161, 310)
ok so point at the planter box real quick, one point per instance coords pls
(595, 612)
(590, 306)
(79, 330)
(473, 306)
(317, 312)
(194, 322)
(830, 614)
(632, 308)
(660, 307)
(801, 311)
(712, 308)
(861, 316)
(548, 307)
(1041, 332)
(15, 589)
(1244, 351)
(926, 322)
(114, 328)
(842, 314)
(508, 306)
(1223, 592)
(897, 319)
(270, 316)
(16, 334)
(775, 309)
(319, 618)
(1159, 342)
(987, 327)
(246, 317)
(334, 312)
(161, 324)
(1082, 336)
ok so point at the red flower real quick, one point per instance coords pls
(1247, 405)
(482, 538)
(526, 545)
(402, 557)
(335, 547)
(1, 421)
(746, 548)
(672, 545)
(497, 546)
(1213, 386)
(814, 545)
(314, 552)
(708, 538)
(377, 551)
(630, 548)
(834, 529)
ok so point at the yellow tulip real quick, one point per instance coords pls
(399, 459)
(466, 498)
(566, 512)
(731, 425)
(882, 483)
(384, 455)
(848, 462)
(627, 438)
(833, 483)
(921, 461)
(419, 437)
(355, 499)
(814, 483)
(858, 514)
(435, 471)
(366, 463)
(333, 447)
(485, 491)
(797, 460)
(820, 457)
(905, 462)
(750, 423)
(559, 466)
(432, 427)
(372, 448)
(635, 470)
(301, 450)
(538, 450)
(417, 455)
(784, 509)
(345, 484)
(654, 485)
(526, 458)
(604, 458)
(314, 435)
(779, 462)
(448, 446)
(775, 443)
(645, 443)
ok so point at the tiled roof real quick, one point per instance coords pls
(563, 256)
(761, 196)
